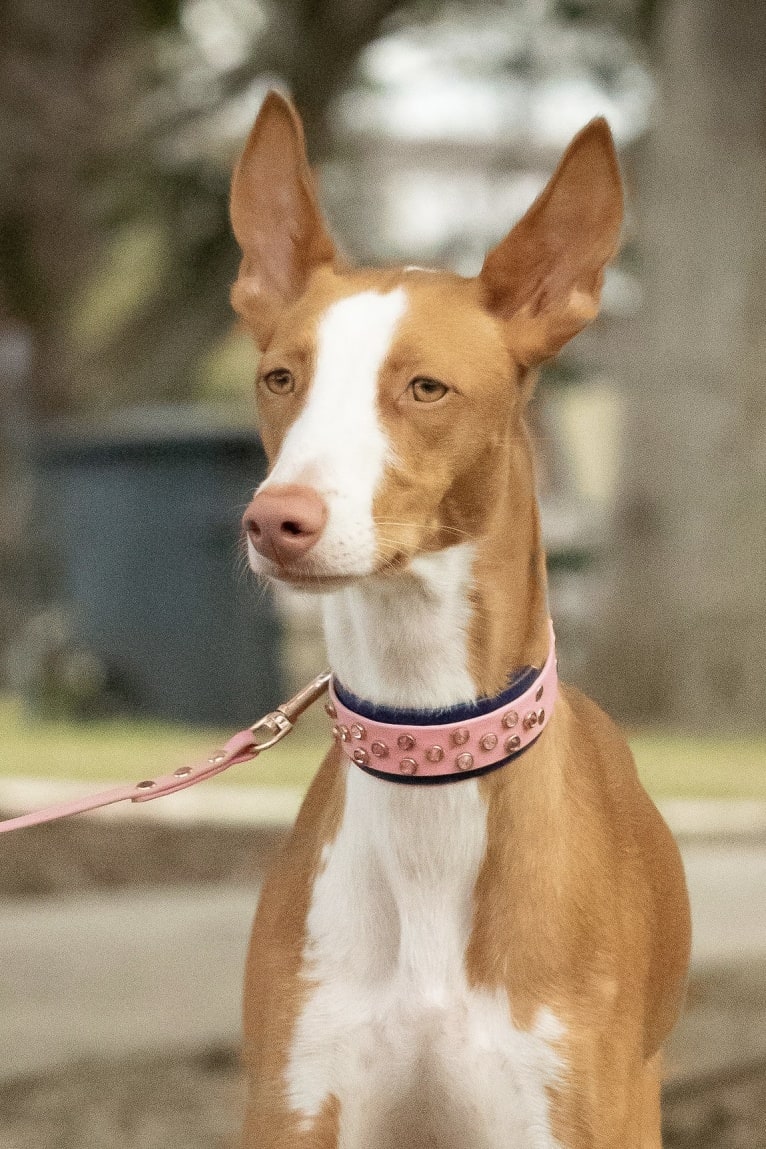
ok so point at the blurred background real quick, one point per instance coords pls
(130, 636)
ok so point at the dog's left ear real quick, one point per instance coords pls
(275, 217)
(544, 279)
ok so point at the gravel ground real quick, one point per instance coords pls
(724, 1112)
(196, 1103)
(179, 1103)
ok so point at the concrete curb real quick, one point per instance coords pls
(705, 819)
(275, 807)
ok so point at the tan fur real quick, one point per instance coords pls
(580, 904)
(273, 993)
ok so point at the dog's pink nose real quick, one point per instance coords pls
(284, 522)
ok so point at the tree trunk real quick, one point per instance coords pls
(688, 633)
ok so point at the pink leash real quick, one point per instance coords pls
(242, 747)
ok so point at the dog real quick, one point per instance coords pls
(477, 934)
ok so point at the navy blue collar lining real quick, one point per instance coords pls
(462, 712)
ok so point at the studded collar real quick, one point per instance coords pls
(416, 746)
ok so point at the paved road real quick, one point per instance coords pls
(120, 973)
(135, 971)
(725, 1020)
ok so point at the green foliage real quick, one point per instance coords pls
(226, 373)
(159, 14)
(129, 271)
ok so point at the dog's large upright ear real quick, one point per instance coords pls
(275, 217)
(544, 279)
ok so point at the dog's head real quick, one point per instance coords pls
(388, 398)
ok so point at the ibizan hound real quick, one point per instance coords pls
(493, 962)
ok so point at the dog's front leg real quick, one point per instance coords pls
(267, 1128)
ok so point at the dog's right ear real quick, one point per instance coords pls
(544, 280)
(275, 217)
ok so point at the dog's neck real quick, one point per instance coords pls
(458, 623)
(402, 640)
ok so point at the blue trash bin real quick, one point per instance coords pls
(143, 516)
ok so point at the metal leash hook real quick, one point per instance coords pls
(281, 721)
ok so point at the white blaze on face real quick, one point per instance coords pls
(337, 445)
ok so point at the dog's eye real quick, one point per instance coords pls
(279, 381)
(427, 390)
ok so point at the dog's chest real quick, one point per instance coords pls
(414, 1055)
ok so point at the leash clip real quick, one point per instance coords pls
(274, 726)
(278, 724)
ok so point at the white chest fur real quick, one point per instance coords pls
(391, 1028)
(416, 1057)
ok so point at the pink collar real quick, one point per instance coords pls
(448, 751)
(412, 753)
